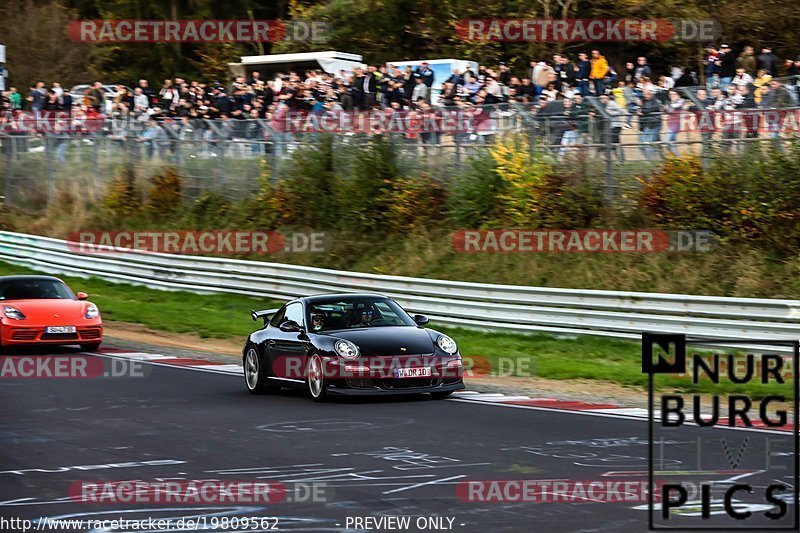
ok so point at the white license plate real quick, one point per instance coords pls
(59, 329)
(413, 372)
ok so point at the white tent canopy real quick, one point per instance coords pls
(330, 61)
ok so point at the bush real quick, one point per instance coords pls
(123, 198)
(752, 198)
(473, 200)
(681, 194)
(524, 176)
(363, 198)
(768, 210)
(304, 195)
(569, 198)
(510, 186)
(211, 210)
(164, 194)
(417, 202)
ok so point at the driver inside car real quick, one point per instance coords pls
(365, 317)
(317, 321)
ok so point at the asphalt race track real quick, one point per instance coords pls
(371, 457)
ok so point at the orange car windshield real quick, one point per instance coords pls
(35, 289)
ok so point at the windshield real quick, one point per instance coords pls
(35, 289)
(346, 313)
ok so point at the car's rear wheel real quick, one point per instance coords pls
(90, 347)
(441, 395)
(254, 376)
(316, 379)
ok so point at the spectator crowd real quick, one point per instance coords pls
(555, 93)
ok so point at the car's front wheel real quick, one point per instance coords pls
(316, 379)
(91, 347)
(441, 395)
(254, 376)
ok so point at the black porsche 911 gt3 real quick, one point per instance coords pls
(349, 344)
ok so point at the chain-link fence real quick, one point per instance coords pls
(229, 156)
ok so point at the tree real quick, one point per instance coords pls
(37, 46)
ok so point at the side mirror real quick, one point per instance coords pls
(421, 320)
(82, 296)
(290, 326)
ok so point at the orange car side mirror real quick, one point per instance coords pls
(82, 296)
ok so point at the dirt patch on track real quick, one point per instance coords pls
(138, 333)
(585, 390)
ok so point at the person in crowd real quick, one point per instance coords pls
(674, 109)
(425, 73)
(762, 78)
(697, 107)
(747, 61)
(727, 65)
(59, 92)
(550, 92)
(144, 85)
(619, 95)
(649, 125)
(14, 99)
(616, 112)
(97, 97)
(420, 91)
(153, 138)
(527, 90)
(685, 78)
(599, 72)
(767, 61)
(746, 104)
(564, 70)
(503, 74)
(642, 69)
(583, 69)
(36, 97)
(742, 77)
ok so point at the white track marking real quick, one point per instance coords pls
(432, 482)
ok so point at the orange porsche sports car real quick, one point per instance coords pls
(43, 310)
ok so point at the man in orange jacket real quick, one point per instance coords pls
(599, 72)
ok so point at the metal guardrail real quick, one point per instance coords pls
(492, 307)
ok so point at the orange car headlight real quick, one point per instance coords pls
(92, 311)
(13, 313)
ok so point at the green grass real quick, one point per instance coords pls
(227, 316)
(586, 357)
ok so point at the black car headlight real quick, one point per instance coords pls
(447, 344)
(346, 349)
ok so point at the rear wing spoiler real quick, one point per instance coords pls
(264, 313)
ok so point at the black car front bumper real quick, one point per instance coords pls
(346, 390)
